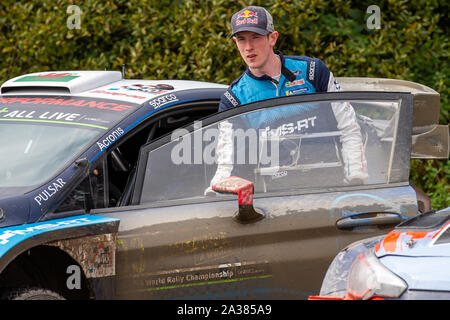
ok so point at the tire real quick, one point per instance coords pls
(33, 294)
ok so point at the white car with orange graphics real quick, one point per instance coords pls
(412, 262)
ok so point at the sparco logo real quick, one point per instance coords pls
(231, 99)
(312, 68)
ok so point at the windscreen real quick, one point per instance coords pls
(41, 135)
(31, 154)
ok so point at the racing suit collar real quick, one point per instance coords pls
(284, 71)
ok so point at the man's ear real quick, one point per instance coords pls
(273, 38)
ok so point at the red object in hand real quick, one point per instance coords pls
(235, 185)
(244, 189)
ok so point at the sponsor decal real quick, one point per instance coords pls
(103, 105)
(231, 99)
(49, 191)
(163, 100)
(147, 88)
(296, 91)
(297, 72)
(46, 117)
(144, 113)
(206, 275)
(6, 235)
(52, 77)
(312, 68)
(11, 236)
(113, 136)
(279, 174)
(118, 94)
(290, 128)
(247, 16)
(97, 120)
(295, 83)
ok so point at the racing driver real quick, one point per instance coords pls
(270, 74)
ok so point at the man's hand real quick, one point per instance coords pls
(210, 192)
(356, 180)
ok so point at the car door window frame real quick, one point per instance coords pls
(402, 140)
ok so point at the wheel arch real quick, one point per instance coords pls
(40, 254)
(46, 267)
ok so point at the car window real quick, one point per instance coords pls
(41, 135)
(35, 152)
(89, 194)
(122, 159)
(297, 146)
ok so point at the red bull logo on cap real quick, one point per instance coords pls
(247, 16)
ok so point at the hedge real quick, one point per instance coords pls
(174, 39)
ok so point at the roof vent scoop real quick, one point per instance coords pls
(58, 82)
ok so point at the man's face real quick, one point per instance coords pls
(255, 49)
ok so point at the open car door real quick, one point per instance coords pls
(182, 236)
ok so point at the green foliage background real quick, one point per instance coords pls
(162, 39)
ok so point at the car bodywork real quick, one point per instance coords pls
(137, 222)
(410, 262)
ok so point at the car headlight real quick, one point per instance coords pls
(369, 278)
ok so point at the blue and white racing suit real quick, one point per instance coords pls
(299, 75)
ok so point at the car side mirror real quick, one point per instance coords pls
(244, 190)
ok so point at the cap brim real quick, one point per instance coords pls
(251, 29)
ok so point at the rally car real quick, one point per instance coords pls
(412, 262)
(107, 191)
